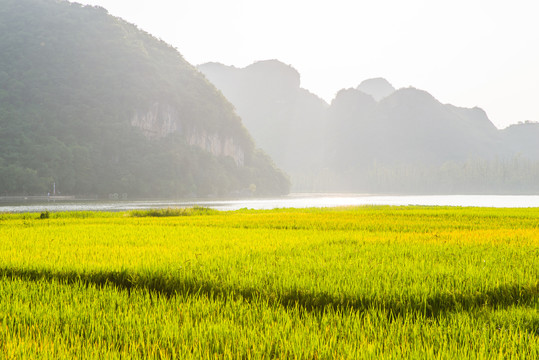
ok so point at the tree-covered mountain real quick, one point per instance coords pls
(375, 138)
(97, 106)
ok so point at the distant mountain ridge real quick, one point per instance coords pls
(284, 119)
(378, 88)
(375, 138)
(94, 105)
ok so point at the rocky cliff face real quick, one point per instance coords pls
(158, 121)
(217, 145)
(161, 120)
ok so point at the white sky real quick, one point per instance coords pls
(465, 52)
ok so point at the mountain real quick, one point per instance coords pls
(284, 119)
(94, 105)
(523, 139)
(378, 88)
(402, 141)
(375, 138)
(411, 126)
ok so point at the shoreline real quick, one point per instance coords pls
(7, 199)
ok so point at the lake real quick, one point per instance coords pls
(290, 201)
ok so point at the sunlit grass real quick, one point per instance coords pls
(345, 283)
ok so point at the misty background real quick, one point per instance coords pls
(464, 52)
(375, 138)
(93, 105)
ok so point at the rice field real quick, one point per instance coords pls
(345, 283)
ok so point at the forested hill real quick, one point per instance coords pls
(97, 106)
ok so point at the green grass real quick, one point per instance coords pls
(369, 282)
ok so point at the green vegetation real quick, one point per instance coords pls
(369, 282)
(74, 81)
(195, 210)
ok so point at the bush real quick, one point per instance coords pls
(192, 211)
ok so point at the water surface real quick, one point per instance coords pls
(291, 201)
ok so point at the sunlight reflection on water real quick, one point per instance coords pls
(291, 201)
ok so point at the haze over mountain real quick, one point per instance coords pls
(467, 53)
(95, 105)
(378, 88)
(284, 119)
(375, 138)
